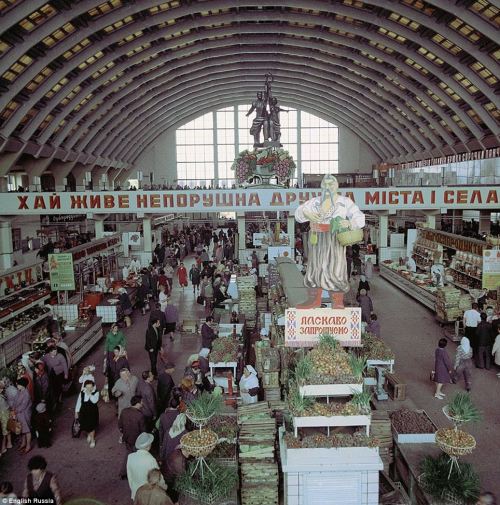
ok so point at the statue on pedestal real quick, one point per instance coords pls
(267, 117)
(329, 215)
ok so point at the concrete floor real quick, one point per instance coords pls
(408, 327)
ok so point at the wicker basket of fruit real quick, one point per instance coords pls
(199, 443)
(350, 237)
(455, 442)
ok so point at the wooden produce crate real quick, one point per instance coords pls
(271, 380)
(272, 393)
(395, 387)
(417, 438)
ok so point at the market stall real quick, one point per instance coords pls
(22, 310)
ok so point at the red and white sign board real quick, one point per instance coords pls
(303, 327)
(241, 200)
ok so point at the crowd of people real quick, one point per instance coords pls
(480, 343)
(150, 406)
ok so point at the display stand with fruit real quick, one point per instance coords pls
(200, 443)
(454, 441)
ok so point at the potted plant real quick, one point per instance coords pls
(209, 487)
(204, 407)
(458, 487)
(461, 410)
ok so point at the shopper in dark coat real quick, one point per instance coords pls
(165, 386)
(146, 391)
(207, 333)
(153, 344)
(131, 424)
(117, 362)
(484, 342)
(157, 313)
(42, 424)
(442, 368)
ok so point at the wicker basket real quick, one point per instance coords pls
(451, 450)
(198, 450)
(198, 421)
(350, 237)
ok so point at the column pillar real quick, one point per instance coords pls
(241, 233)
(430, 216)
(383, 230)
(148, 239)
(484, 221)
(6, 247)
(290, 225)
(99, 228)
(98, 223)
(3, 184)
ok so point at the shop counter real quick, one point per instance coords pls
(424, 296)
(110, 311)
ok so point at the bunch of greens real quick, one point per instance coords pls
(362, 401)
(437, 480)
(205, 406)
(358, 365)
(462, 410)
(217, 482)
(303, 370)
(297, 403)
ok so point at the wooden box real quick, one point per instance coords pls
(394, 386)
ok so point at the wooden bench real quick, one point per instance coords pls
(395, 388)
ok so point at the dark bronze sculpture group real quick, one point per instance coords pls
(267, 117)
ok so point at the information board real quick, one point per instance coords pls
(491, 269)
(62, 275)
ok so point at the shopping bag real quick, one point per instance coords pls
(75, 429)
(200, 300)
(432, 376)
(14, 426)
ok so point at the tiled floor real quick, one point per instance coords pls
(409, 328)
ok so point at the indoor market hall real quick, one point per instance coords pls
(249, 253)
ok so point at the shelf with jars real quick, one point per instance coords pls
(16, 303)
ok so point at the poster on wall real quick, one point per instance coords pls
(491, 269)
(303, 327)
(275, 251)
(260, 239)
(62, 276)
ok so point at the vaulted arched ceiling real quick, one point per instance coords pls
(100, 81)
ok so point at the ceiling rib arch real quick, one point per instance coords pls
(381, 54)
(393, 112)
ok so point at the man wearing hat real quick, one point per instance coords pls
(140, 462)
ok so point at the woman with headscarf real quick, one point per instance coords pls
(249, 385)
(363, 284)
(366, 304)
(327, 265)
(463, 362)
(495, 351)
